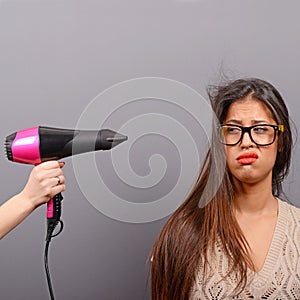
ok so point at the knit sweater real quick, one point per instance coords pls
(278, 279)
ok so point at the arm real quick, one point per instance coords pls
(42, 185)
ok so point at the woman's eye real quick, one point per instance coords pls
(261, 129)
(233, 130)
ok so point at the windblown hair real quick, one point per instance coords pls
(192, 231)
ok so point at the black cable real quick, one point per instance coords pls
(50, 230)
(47, 270)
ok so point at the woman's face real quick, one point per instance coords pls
(246, 161)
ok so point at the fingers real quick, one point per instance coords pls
(57, 189)
(50, 166)
(45, 181)
(58, 180)
(59, 185)
(61, 164)
(53, 177)
(51, 170)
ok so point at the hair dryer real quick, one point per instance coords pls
(39, 144)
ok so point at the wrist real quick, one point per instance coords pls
(26, 202)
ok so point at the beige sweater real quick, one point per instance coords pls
(280, 275)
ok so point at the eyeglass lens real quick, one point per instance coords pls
(260, 135)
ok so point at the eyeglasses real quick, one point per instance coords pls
(261, 135)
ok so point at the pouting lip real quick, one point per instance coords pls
(247, 155)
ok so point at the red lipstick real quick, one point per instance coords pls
(247, 158)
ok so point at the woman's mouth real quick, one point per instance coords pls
(247, 158)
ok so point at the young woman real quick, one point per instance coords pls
(45, 181)
(244, 242)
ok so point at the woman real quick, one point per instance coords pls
(45, 181)
(243, 243)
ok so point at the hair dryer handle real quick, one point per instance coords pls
(54, 208)
(53, 216)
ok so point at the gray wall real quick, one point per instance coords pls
(57, 57)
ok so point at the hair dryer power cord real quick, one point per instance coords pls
(50, 229)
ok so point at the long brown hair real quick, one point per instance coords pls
(192, 231)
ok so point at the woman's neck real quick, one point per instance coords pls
(255, 199)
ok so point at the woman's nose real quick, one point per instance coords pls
(246, 141)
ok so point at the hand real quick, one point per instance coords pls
(45, 181)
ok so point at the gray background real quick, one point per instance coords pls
(56, 56)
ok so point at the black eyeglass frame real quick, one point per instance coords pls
(279, 128)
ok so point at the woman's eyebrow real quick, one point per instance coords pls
(252, 121)
(234, 121)
(260, 121)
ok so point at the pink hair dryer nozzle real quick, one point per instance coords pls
(24, 146)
